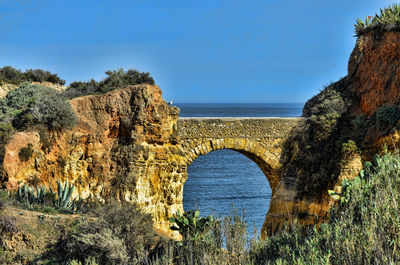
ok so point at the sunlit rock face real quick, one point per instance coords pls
(341, 131)
(374, 70)
(123, 146)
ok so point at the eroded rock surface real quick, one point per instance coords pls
(343, 129)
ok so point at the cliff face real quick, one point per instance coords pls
(121, 143)
(347, 123)
(374, 70)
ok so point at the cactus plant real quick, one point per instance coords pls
(190, 224)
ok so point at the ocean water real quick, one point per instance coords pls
(240, 109)
(224, 180)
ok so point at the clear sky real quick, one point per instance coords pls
(197, 51)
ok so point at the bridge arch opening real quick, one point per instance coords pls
(220, 176)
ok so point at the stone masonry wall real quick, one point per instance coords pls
(260, 139)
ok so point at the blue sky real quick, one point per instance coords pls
(197, 51)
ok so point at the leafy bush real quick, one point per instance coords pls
(121, 234)
(31, 104)
(54, 111)
(3, 199)
(358, 121)
(235, 232)
(364, 228)
(6, 131)
(25, 153)
(8, 227)
(20, 99)
(94, 240)
(349, 147)
(88, 261)
(387, 20)
(387, 116)
(130, 224)
(11, 75)
(114, 80)
(39, 75)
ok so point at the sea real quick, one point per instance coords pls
(224, 181)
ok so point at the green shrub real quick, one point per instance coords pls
(114, 80)
(6, 131)
(235, 232)
(349, 147)
(25, 153)
(364, 228)
(358, 121)
(88, 261)
(130, 224)
(20, 99)
(120, 79)
(8, 227)
(11, 75)
(31, 104)
(120, 234)
(387, 20)
(94, 240)
(387, 116)
(39, 75)
(54, 111)
(4, 198)
(24, 120)
(333, 99)
(79, 89)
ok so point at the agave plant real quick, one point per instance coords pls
(27, 195)
(61, 199)
(389, 18)
(64, 196)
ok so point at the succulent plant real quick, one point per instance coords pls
(28, 195)
(61, 199)
(64, 196)
(190, 224)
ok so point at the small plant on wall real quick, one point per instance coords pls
(25, 153)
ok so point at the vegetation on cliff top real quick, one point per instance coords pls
(115, 79)
(387, 20)
(33, 104)
(14, 76)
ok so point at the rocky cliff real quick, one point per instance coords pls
(348, 122)
(121, 143)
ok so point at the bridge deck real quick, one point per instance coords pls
(235, 127)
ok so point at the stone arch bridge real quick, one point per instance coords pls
(260, 139)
